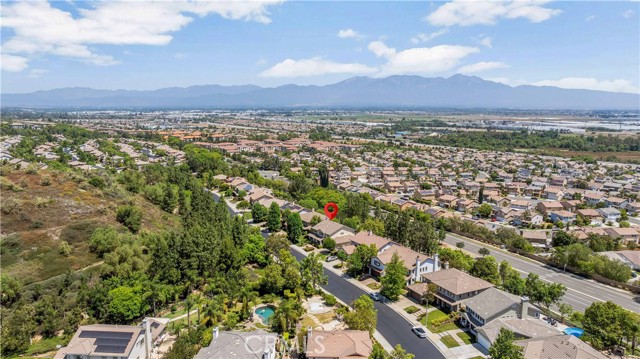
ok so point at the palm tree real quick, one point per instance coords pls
(188, 303)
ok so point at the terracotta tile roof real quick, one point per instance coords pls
(456, 281)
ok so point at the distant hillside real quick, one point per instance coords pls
(36, 218)
(395, 92)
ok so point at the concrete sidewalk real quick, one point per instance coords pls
(461, 352)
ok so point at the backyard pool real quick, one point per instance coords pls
(576, 332)
(265, 313)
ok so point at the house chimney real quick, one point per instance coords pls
(445, 265)
(215, 332)
(369, 232)
(416, 276)
(524, 307)
(436, 262)
(147, 337)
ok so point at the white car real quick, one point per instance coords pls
(376, 297)
(419, 331)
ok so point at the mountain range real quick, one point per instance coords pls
(457, 91)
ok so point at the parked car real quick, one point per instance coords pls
(331, 258)
(419, 331)
(376, 297)
(364, 276)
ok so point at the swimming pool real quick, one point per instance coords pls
(265, 313)
(576, 332)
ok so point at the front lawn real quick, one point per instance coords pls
(449, 341)
(437, 315)
(411, 309)
(466, 337)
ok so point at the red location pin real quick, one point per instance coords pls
(331, 210)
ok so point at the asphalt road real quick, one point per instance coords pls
(393, 327)
(581, 292)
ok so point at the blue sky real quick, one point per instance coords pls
(149, 45)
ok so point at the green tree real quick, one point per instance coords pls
(125, 304)
(273, 218)
(295, 228)
(329, 243)
(313, 272)
(399, 353)
(486, 268)
(360, 259)
(484, 252)
(485, 210)
(129, 216)
(565, 311)
(104, 240)
(17, 330)
(542, 292)
(323, 172)
(504, 346)
(258, 213)
(378, 352)
(364, 315)
(393, 280)
(255, 250)
(374, 225)
(602, 324)
(429, 294)
(10, 290)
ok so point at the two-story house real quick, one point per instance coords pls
(454, 286)
(609, 214)
(338, 344)
(492, 304)
(563, 216)
(328, 228)
(415, 263)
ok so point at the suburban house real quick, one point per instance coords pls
(494, 303)
(560, 346)
(522, 328)
(563, 216)
(593, 198)
(609, 214)
(630, 258)
(544, 207)
(592, 215)
(615, 202)
(240, 345)
(368, 238)
(627, 234)
(447, 201)
(536, 238)
(339, 344)
(328, 228)
(415, 263)
(454, 286)
(98, 341)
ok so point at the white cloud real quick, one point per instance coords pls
(36, 73)
(421, 37)
(481, 67)
(40, 28)
(314, 67)
(482, 12)
(381, 50)
(348, 33)
(587, 83)
(628, 14)
(487, 42)
(420, 60)
(589, 18)
(12, 63)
